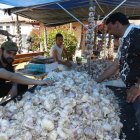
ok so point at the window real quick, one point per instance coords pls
(8, 28)
(1, 27)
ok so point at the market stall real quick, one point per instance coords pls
(74, 107)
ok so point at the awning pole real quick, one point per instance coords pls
(99, 6)
(70, 14)
(110, 13)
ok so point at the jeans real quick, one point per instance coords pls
(136, 106)
(129, 114)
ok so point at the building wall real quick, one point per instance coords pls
(25, 28)
(11, 28)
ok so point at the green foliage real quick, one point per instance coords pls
(70, 41)
(35, 44)
(35, 39)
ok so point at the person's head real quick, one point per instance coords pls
(8, 52)
(59, 39)
(116, 24)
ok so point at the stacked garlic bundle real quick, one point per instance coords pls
(89, 34)
(74, 108)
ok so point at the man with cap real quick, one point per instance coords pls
(11, 83)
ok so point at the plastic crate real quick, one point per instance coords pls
(31, 67)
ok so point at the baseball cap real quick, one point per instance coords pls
(9, 46)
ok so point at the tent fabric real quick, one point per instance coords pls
(49, 13)
(25, 3)
(20, 3)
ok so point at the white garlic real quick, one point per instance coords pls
(3, 136)
(28, 136)
(4, 124)
(107, 127)
(47, 124)
(48, 105)
(53, 135)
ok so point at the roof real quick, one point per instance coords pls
(49, 13)
(13, 19)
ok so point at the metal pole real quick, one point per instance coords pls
(99, 7)
(111, 12)
(70, 14)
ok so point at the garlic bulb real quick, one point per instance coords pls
(53, 135)
(4, 124)
(47, 124)
(3, 136)
(107, 127)
(28, 136)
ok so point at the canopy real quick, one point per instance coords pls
(68, 3)
(51, 13)
(25, 3)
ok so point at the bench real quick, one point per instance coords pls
(25, 57)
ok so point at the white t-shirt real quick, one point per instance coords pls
(58, 49)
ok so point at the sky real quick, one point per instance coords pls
(2, 6)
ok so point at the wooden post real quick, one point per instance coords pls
(82, 37)
(109, 45)
(110, 48)
(95, 36)
(45, 38)
(103, 42)
(70, 26)
(41, 32)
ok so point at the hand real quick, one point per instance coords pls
(68, 64)
(132, 94)
(46, 82)
(13, 92)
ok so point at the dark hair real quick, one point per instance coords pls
(58, 35)
(118, 17)
(2, 48)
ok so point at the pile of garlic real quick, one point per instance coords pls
(97, 68)
(73, 108)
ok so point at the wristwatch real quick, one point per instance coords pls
(137, 85)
